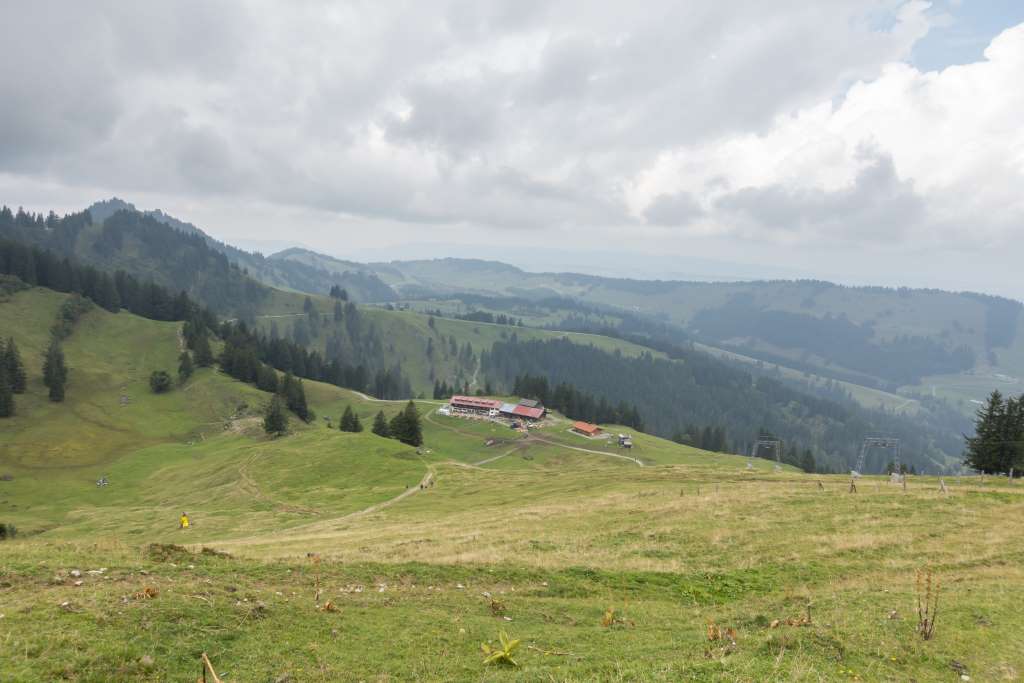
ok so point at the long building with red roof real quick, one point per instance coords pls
(474, 403)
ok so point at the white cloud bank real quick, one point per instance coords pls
(936, 158)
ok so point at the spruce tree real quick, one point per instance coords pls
(204, 355)
(185, 366)
(294, 396)
(982, 452)
(55, 371)
(275, 419)
(380, 425)
(16, 375)
(347, 421)
(6, 394)
(266, 378)
(405, 426)
(357, 424)
(397, 427)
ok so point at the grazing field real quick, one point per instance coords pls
(804, 584)
(324, 556)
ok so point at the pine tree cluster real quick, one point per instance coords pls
(998, 442)
(349, 421)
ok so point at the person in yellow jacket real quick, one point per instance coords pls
(184, 521)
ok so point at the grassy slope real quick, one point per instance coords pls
(558, 538)
(164, 453)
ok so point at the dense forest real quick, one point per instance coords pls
(576, 404)
(904, 360)
(143, 247)
(673, 396)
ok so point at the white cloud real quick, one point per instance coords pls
(944, 165)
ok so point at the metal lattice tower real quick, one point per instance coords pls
(878, 442)
(775, 444)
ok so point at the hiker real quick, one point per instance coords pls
(184, 521)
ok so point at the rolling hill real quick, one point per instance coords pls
(904, 342)
(393, 353)
(329, 555)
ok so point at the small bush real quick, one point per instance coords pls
(160, 382)
(7, 531)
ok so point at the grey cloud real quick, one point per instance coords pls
(677, 209)
(877, 205)
(282, 102)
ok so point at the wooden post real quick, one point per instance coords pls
(209, 666)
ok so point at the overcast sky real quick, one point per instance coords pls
(855, 140)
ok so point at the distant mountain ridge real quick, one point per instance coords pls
(879, 337)
(279, 270)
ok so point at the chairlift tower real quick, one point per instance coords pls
(878, 442)
(774, 444)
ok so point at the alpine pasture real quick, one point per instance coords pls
(324, 555)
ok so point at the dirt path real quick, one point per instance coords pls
(327, 528)
(425, 483)
(500, 456)
(588, 450)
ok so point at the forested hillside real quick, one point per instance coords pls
(143, 247)
(880, 337)
(279, 271)
(682, 398)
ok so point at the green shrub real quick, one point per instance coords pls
(160, 382)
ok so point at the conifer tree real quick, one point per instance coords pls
(405, 426)
(347, 421)
(55, 371)
(204, 355)
(266, 378)
(6, 394)
(275, 419)
(185, 366)
(294, 396)
(16, 376)
(357, 424)
(380, 425)
(998, 441)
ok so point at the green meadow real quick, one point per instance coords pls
(328, 556)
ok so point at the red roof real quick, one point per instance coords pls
(585, 427)
(475, 403)
(530, 413)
